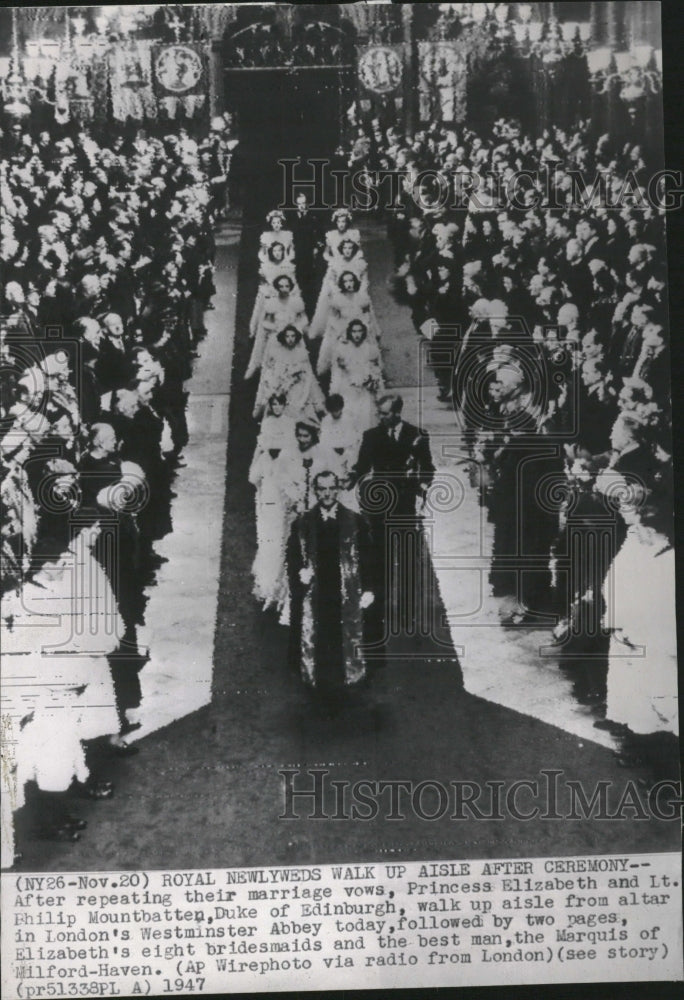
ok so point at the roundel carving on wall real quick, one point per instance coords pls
(380, 69)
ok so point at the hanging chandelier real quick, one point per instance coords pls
(468, 15)
(635, 73)
(554, 46)
(550, 40)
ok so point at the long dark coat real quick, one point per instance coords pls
(326, 613)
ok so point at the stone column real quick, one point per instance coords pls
(617, 36)
(410, 78)
(217, 104)
(598, 20)
(215, 18)
(618, 41)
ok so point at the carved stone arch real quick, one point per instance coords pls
(320, 43)
(259, 43)
(289, 35)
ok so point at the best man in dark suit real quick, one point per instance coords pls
(394, 471)
(306, 235)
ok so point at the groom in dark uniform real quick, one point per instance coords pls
(329, 570)
(394, 471)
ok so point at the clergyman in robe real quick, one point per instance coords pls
(329, 569)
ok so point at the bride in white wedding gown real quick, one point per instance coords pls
(277, 435)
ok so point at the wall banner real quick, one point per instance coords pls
(131, 81)
(380, 68)
(442, 82)
(180, 78)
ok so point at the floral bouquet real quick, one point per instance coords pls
(372, 383)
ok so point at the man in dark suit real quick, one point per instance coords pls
(592, 245)
(306, 236)
(396, 453)
(576, 275)
(424, 257)
(394, 471)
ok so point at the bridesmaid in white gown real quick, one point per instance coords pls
(341, 243)
(343, 230)
(349, 258)
(287, 371)
(356, 375)
(270, 269)
(349, 301)
(282, 307)
(276, 234)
